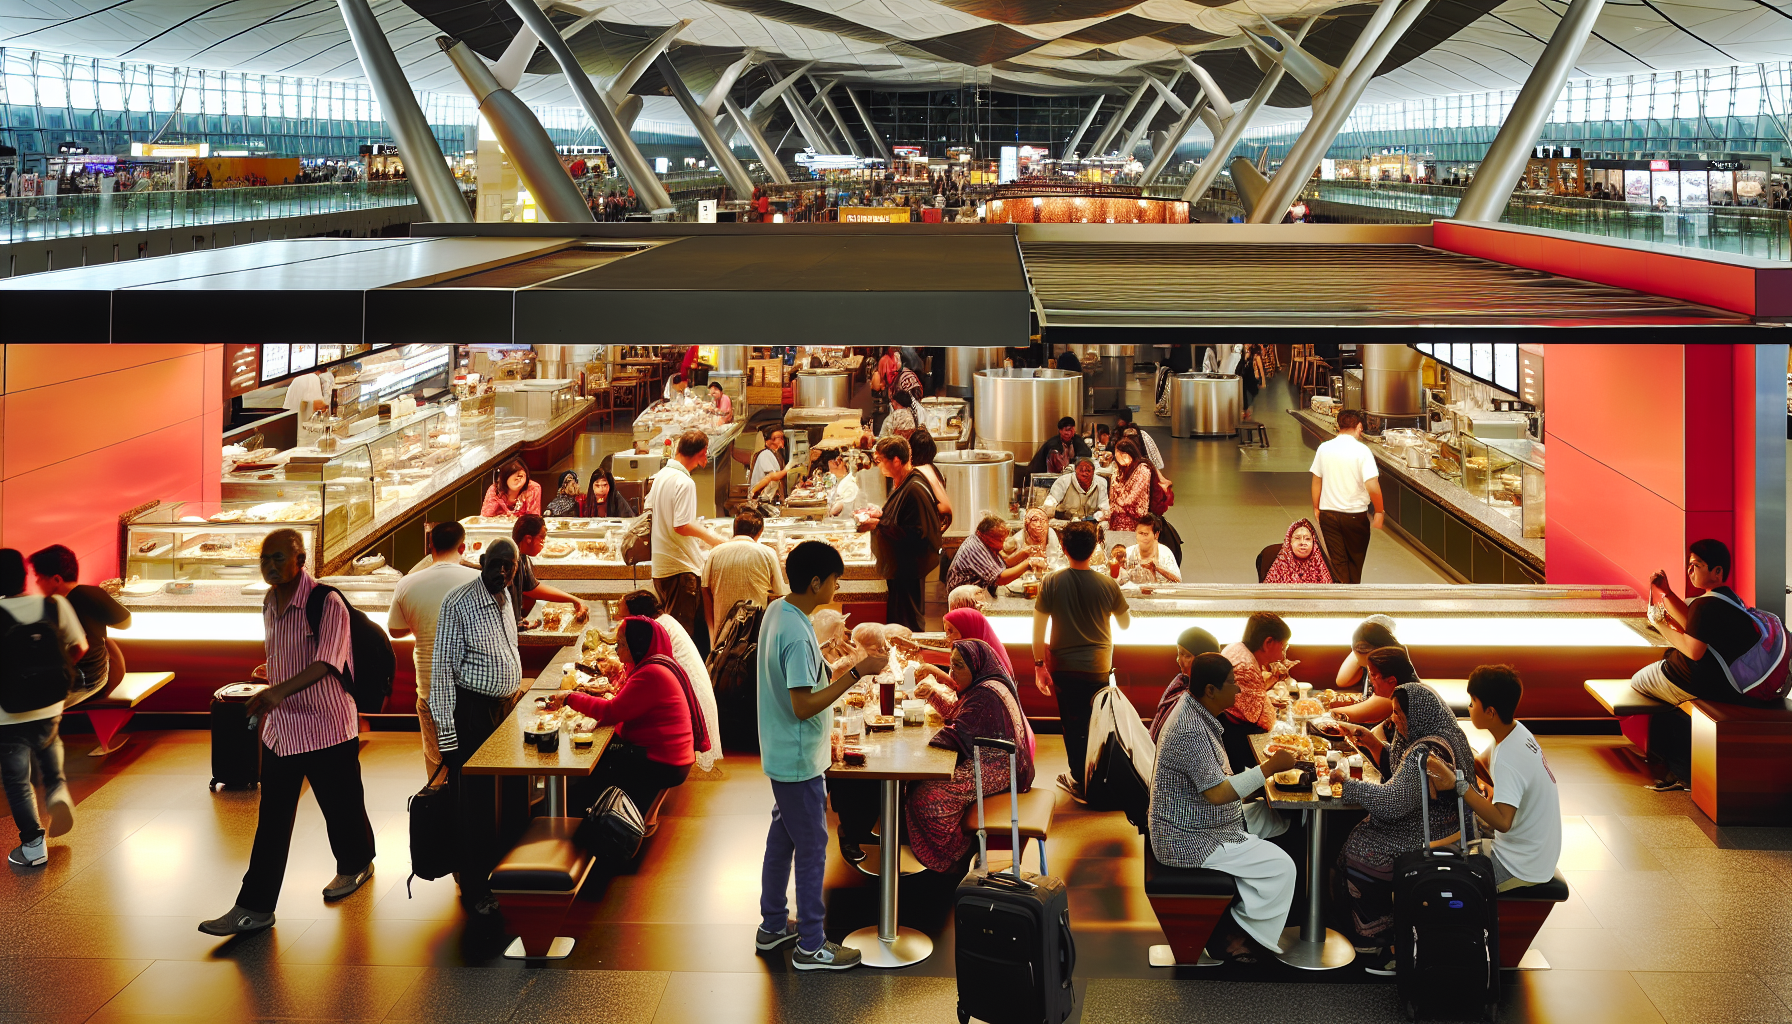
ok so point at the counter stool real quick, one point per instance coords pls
(112, 711)
(536, 883)
(1249, 429)
(1522, 912)
(1188, 903)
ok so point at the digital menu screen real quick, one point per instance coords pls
(304, 357)
(276, 361)
(1505, 367)
(1494, 363)
(1483, 364)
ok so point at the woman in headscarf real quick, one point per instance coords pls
(1423, 726)
(566, 496)
(1038, 538)
(905, 415)
(988, 706)
(1193, 642)
(602, 500)
(659, 725)
(1300, 560)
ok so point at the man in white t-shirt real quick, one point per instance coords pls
(678, 539)
(768, 471)
(416, 602)
(1345, 486)
(741, 570)
(305, 395)
(1525, 808)
(32, 735)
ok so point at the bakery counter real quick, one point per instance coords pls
(1557, 636)
(545, 444)
(591, 549)
(1480, 543)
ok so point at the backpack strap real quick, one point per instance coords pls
(314, 605)
(52, 614)
(7, 621)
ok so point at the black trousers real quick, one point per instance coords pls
(902, 602)
(1346, 543)
(476, 717)
(857, 802)
(681, 596)
(335, 777)
(1076, 692)
(627, 767)
(1235, 736)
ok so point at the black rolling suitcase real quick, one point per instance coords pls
(236, 745)
(1015, 952)
(1446, 927)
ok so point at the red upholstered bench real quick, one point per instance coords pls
(1188, 903)
(1522, 913)
(535, 884)
(112, 711)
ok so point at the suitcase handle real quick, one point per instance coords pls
(1462, 820)
(977, 743)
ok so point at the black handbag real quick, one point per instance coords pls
(432, 831)
(613, 827)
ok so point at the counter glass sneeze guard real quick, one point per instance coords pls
(591, 543)
(186, 541)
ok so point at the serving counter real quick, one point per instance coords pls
(1557, 636)
(1459, 526)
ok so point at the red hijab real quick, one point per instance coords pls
(971, 625)
(1289, 568)
(659, 655)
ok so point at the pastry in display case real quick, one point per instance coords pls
(187, 541)
(303, 485)
(477, 420)
(571, 541)
(407, 460)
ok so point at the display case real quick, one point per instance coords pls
(1528, 495)
(476, 418)
(188, 541)
(333, 489)
(574, 546)
(948, 420)
(1504, 474)
(537, 403)
(408, 459)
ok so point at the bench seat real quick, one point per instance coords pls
(1037, 805)
(1619, 698)
(111, 711)
(1522, 913)
(535, 884)
(1188, 903)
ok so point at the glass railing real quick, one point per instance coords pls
(66, 216)
(1756, 231)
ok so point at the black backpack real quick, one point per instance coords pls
(38, 672)
(371, 681)
(734, 673)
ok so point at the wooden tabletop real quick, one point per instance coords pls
(504, 753)
(1297, 800)
(901, 753)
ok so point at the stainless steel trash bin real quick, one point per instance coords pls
(1206, 404)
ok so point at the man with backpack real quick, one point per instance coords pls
(40, 641)
(308, 734)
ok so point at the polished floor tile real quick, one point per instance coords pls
(228, 991)
(1575, 997)
(461, 995)
(1712, 998)
(64, 989)
(592, 997)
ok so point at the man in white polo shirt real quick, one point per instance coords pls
(1345, 486)
(678, 539)
(1525, 808)
(416, 604)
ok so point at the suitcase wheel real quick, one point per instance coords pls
(963, 1017)
(212, 785)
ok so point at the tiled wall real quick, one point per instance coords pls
(89, 431)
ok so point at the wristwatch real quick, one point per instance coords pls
(1461, 787)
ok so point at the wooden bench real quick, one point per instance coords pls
(1522, 913)
(536, 883)
(1740, 755)
(1037, 806)
(1188, 903)
(111, 712)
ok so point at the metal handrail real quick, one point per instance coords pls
(29, 218)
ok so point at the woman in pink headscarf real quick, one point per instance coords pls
(1300, 560)
(961, 624)
(659, 724)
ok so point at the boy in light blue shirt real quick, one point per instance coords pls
(795, 693)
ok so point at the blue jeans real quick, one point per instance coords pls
(18, 744)
(799, 833)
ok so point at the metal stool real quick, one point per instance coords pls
(1249, 428)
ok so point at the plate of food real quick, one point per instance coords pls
(880, 723)
(557, 549)
(1306, 709)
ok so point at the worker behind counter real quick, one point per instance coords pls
(1060, 450)
(1079, 495)
(769, 469)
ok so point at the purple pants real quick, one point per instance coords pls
(799, 833)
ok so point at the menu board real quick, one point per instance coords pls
(242, 368)
(1505, 368)
(1494, 363)
(304, 357)
(276, 362)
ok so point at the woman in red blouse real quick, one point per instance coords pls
(512, 493)
(1129, 497)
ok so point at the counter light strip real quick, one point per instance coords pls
(1162, 630)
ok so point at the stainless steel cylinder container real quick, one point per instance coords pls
(1206, 404)
(823, 388)
(978, 481)
(962, 365)
(732, 358)
(1393, 383)
(1017, 410)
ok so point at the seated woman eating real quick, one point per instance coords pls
(1199, 818)
(934, 685)
(1375, 633)
(1423, 727)
(658, 722)
(988, 705)
(1193, 643)
(1389, 669)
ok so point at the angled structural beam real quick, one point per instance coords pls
(525, 142)
(1164, 93)
(816, 107)
(1118, 121)
(806, 123)
(1137, 135)
(1378, 23)
(744, 124)
(827, 102)
(428, 172)
(780, 82)
(1233, 129)
(640, 62)
(1088, 119)
(724, 157)
(1250, 183)
(877, 140)
(1488, 194)
(1304, 157)
(1161, 154)
(712, 104)
(1313, 74)
(634, 166)
(627, 111)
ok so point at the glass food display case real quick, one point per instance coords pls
(537, 403)
(407, 459)
(571, 544)
(1505, 474)
(333, 489)
(477, 419)
(948, 420)
(186, 541)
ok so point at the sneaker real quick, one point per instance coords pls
(853, 852)
(1067, 783)
(343, 886)
(1667, 785)
(765, 941)
(237, 922)
(62, 811)
(484, 908)
(1382, 963)
(30, 855)
(830, 957)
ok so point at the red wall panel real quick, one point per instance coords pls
(35, 366)
(1623, 406)
(40, 430)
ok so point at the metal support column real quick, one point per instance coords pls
(806, 123)
(525, 142)
(618, 89)
(1118, 121)
(428, 172)
(744, 124)
(1088, 119)
(883, 147)
(634, 166)
(1304, 157)
(1223, 141)
(1137, 135)
(724, 157)
(1491, 189)
(1160, 157)
(827, 102)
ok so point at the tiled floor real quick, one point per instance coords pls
(1672, 919)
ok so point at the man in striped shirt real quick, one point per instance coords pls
(308, 726)
(475, 677)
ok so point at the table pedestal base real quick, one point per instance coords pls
(1164, 956)
(1331, 952)
(908, 947)
(906, 864)
(559, 949)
